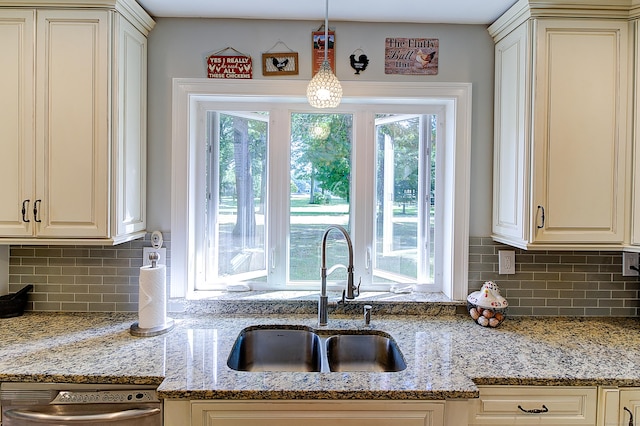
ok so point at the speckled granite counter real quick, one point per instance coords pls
(446, 356)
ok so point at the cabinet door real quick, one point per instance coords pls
(72, 123)
(629, 405)
(511, 139)
(273, 413)
(17, 30)
(130, 126)
(580, 131)
(635, 215)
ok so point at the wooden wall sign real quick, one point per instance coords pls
(229, 66)
(280, 63)
(319, 44)
(411, 56)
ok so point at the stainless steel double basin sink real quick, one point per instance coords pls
(302, 349)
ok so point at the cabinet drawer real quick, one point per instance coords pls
(317, 413)
(522, 405)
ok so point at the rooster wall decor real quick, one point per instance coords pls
(280, 64)
(360, 63)
(283, 63)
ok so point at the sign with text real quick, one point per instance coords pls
(223, 66)
(319, 44)
(411, 56)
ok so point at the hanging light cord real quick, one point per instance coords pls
(326, 28)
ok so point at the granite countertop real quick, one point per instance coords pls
(447, 356)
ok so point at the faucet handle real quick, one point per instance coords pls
(357, 288)
(367, 315)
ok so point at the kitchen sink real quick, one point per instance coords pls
(301, 349)
(276, 349)
(364, 352)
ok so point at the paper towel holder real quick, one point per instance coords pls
(169, 323)
(137, 331)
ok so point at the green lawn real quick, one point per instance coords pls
(307, 224)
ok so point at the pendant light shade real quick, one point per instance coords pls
(324, 89)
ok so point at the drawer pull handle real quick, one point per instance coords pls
(25, 203)
(630, 415)
(544, 409)
(35, 211)
(542, 217)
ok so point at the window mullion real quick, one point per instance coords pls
(363, 198)
(278, 154)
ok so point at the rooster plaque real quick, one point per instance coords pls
(358, 63)
(280, 63)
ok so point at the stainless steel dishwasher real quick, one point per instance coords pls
(63, 404)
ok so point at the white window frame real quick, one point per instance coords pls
(189, 94)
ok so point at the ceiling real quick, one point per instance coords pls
(415, 11)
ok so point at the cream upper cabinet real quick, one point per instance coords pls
(635, 233)
(17, 112)
(73, 161)
(561, 146)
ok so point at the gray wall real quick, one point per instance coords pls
(177, 48)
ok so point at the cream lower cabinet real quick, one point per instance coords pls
(561, 145)
(619, 406)
(308, 413)
(73, 120)
(534, 405)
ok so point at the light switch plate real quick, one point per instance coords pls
(629, 260)
(506, 262)
(162, 252)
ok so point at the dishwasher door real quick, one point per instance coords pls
(74, 405)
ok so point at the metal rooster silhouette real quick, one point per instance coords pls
(359, 64)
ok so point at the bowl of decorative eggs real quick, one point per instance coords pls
(486, 306)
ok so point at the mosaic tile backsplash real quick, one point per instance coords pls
(546, 283)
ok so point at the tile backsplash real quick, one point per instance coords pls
(547, 283)
(82, 278)
(557, 283)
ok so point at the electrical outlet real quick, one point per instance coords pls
(506, 262)
(629, 260)
(162, 252)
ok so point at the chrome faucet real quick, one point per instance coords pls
(351, 290)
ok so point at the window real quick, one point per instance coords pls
(258, 175)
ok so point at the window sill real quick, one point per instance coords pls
(306, 302)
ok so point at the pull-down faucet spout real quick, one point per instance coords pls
(352, 291)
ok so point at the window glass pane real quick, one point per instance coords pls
(405, 186)
(320, 185)
(236, 177)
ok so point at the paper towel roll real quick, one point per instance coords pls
(152, 303)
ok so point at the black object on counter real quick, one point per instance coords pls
(13, 304)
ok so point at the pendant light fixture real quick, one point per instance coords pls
(324, 89)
